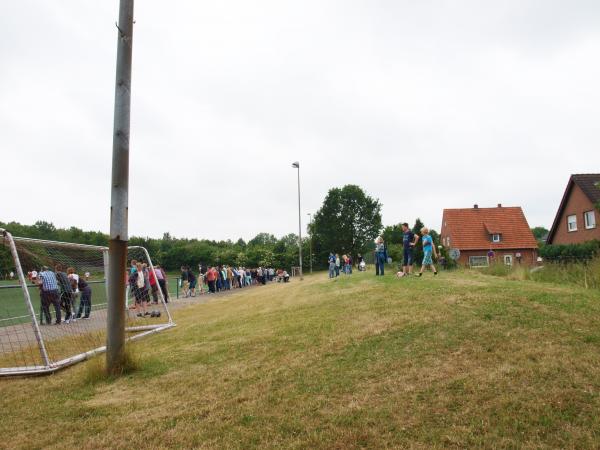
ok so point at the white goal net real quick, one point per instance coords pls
(53, 313)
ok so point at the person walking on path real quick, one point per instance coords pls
(380, 256)
(428, 251)
(409, 241)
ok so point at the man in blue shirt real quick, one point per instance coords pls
(409, 240)
(49, 292)
(331, 265)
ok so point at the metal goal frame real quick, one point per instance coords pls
(48, 365)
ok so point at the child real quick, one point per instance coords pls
(428, 250)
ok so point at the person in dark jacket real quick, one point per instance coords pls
(85, 303)
(66, 292)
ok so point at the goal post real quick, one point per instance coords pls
(56, 314)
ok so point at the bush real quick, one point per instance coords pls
(571, 252)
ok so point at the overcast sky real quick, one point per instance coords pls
(426, 105)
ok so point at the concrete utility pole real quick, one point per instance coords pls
(119, 203)
(310, 245)
(296, 165)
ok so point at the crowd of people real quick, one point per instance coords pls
(62, 290)
(143, 284)
(71, 293)
(344, 264)
(410, 240)
(213, 279)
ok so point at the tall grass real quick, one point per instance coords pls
(583, 274)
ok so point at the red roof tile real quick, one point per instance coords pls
(470, 228)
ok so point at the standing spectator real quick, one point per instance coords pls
(337, 265)
(152, 278)
(74, 280)
(380, 256)
(12, 275)
(201, 277)
(224, 278)
(350, 262)
(229, 282)
(138, 286)
(66, 292)
(220, 285)
(192, 280)
(185, 283)
(211, 278)
(162, 282)
(237, 278)
(87, 276)
(49, 292)
(85, 304)
(409, 240)
(428, 251)
(331, 261)
(346, 260)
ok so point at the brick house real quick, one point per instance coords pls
(577, 218)
(486, 235)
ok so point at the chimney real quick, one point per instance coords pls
(475, 206)
(499, 205)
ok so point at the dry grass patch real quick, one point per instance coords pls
(461, 360)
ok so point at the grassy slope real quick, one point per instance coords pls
(460, 360)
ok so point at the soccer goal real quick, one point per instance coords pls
(55, 314)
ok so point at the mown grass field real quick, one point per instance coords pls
(462, 360)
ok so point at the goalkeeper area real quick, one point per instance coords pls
(54, 314)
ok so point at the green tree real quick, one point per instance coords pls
(392, 234)
(262, 239)
(348, 220)
(539, 233)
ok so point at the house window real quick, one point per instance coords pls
(589, 219)
(572, 223)
(508, 260)
(495, 238)
(479, 261)
(448, 241)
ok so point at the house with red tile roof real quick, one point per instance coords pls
(488, 235)
(577, 218)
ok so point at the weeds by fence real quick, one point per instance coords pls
(576, 271)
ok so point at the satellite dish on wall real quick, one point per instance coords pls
(454, 253)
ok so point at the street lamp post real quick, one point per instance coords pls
(296, 165)
(310, 244)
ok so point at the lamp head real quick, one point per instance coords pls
(296, 165)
